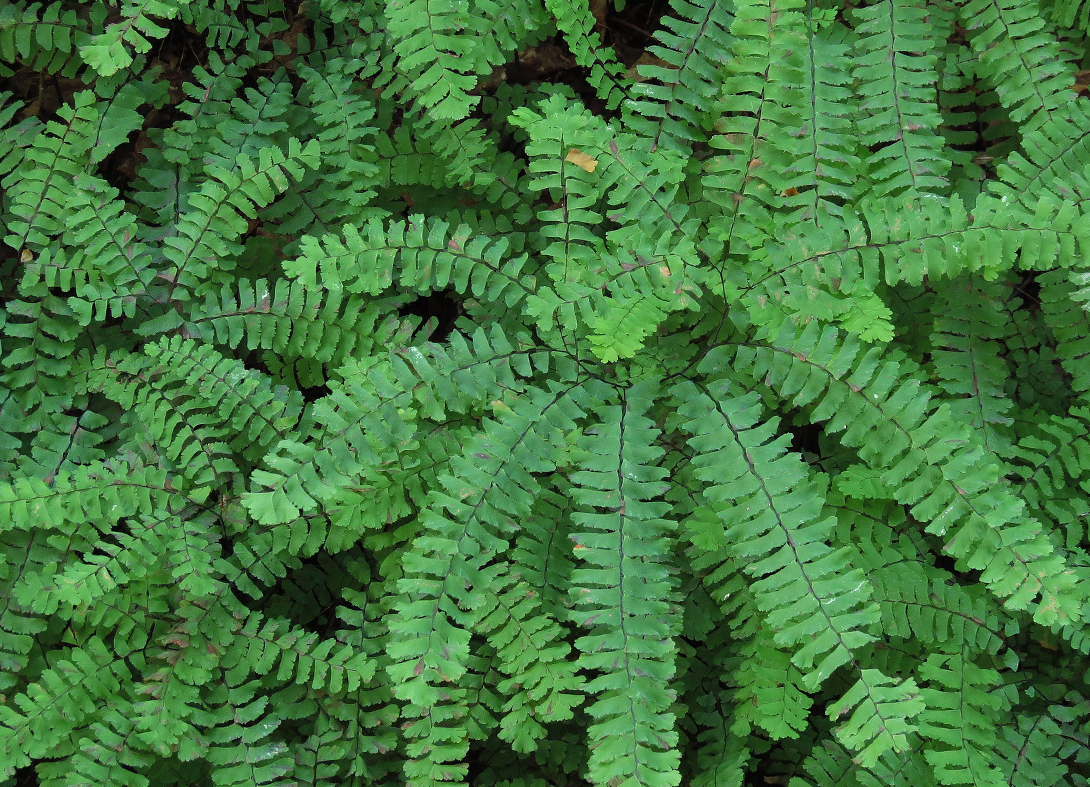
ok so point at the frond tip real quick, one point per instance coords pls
(882, 712)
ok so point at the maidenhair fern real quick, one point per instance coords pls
(473, 392)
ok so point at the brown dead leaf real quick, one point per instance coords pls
(581, 160)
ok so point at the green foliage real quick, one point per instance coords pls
(383, 402)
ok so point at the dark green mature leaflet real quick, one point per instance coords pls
(753, 443)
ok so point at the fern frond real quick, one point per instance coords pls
(565, 149)
(881, 710)
(22, 633)
(225, 30)
(542, 552)
(98, 494)
(832, 272)
(916, 602)
(721, 753)
(38, 357)
(19, 134)
(576, 23)
(407, 157)
(207, 233)
(350, 169)
(624, 594)
(260, 558)
(641, 295)
(771, 693)
(1031, 752)
(826, 167)
(159, 545)
(1021, 57)
(760, 108)
(79, 584)
(770, 509)
(1067, 13)
(37, 190)
(164, 721)
(896, 429)
(1050, 461)
(191, 552)
(833, 765)
(652, 267)
(673, 113)
(895, 70)
(967, 358)
(39, 722)
(255, 413)
(64, 443)
(1061, 306)
(578, 161)
(420, 255)
(187, 435)
(124, 111)
(541, 685)
(749, 439)
(1049, 160)
(268, 645)
(368, 420)
(441, 50)
(113, 49)
(111, 753)
(177, 168)
(906, 241)
(465, 526)
(286, 319)
(464, 150)
(44, 37)
(828, 273)
(964, 704)
(319, 760)
(242, 750)
(829, 765)
(643, 184)
(106, 267)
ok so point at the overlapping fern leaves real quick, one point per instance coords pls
(754, 444)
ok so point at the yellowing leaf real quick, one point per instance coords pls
(582, 160)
